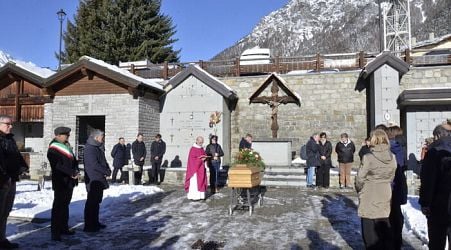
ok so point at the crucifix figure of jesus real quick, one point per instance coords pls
(274, 102)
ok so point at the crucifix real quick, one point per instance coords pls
(275, 83)
(274, 102)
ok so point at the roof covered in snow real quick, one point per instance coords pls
(108, 70)
(28, 68)
(205, 77)
(383, 58)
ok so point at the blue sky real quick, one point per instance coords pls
(30, 28)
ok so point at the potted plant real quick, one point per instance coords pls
(246, 169)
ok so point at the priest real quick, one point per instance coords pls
(196, 177)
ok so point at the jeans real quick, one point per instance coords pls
(310, 173)
(214, 172)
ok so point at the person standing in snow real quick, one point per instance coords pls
(119, 154)
(139, 156)
(313, 158)
(96, 171)
(65, 175)
(345, 149)
(214, 151)
(12, 165)
(373, 185)
(325, 151)
(399, 186)
(196, 178)
(157, 150)
(435, 187)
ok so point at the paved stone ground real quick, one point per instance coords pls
(290, 218)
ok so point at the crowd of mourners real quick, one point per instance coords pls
(380, 181)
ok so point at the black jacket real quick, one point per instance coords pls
(63, 166)
(211, 149)
(157, 149)
(12, 163)
(119, 154)
(345, 153)
(325, 150)
(399, 189)
(96, 166)
(244, 144)
(363, 151)
(138, 151)
(313, 154)
(436, 177)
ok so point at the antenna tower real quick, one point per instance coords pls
(396, 14)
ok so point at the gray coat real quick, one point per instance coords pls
(373, 182)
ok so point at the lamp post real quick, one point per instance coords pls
(61, 15)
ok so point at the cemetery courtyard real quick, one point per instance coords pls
(160, 217)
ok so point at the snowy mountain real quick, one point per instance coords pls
(305, 27)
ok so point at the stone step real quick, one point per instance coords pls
(283, 183)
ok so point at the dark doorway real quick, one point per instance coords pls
(85, 125)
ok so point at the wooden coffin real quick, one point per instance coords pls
(241, 176)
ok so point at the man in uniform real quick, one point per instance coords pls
(65, 174)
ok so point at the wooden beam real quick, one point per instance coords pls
(87, 72)
(134, 92)
(266, 99)
(17, 100)
(48, 92)
(32, 100)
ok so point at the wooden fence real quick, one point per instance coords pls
(283, 65)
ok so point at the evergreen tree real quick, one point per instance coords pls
(120, 30)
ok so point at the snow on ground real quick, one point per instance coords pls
(415, 221)
(30, 203)
(146, 217)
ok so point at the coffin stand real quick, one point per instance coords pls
(243, 180)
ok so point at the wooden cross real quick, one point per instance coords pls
(275, 100)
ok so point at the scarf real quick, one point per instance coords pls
(62, 148)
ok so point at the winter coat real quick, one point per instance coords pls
(325, 150)
(344, 152)
(138, 151)
(157, 149)
(119, 154)
(211, 149)
(12, 164)
(64, 165)
(436, 177)
(399, 195)
(373, 183)
(363, 151)
(96, 166)
(313, 155)
(244, 144)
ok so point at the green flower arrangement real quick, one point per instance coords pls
(250, 158)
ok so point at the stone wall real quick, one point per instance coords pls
(124, 116)
(427, 77)
(328, 103)
(149, 122)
